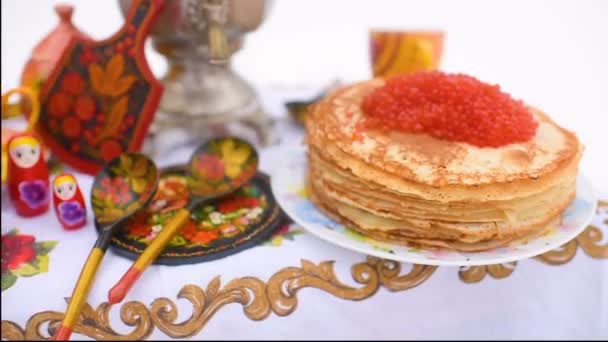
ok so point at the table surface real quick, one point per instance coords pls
(301, 287)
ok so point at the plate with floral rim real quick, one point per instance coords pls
(288, 187)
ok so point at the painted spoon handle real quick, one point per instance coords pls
(80, 293)
(120, 290)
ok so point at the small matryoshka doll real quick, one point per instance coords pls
(68, 202)
(28, 176)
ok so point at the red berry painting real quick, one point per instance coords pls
(100, 99)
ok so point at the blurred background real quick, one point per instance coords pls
(553, 54)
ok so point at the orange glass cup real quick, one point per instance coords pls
(399, 52)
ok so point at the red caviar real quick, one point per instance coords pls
(453, 107)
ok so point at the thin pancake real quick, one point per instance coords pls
(408, 162)
(415, 189)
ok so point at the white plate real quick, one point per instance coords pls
(288, 188)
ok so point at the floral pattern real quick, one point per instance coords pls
(208, 223)
(34, 193)
(73, 108)
(121, 188)
(116, 190)
(211, 167)
(22, 256)
(286, 231)
(215, 228)
(222, 164)
(101, 100)
(72, 212)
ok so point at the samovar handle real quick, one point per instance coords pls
(215, 14)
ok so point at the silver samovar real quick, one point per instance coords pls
(202, 93)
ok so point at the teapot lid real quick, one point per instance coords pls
(50, 48)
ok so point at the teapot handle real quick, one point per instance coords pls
(11, 110)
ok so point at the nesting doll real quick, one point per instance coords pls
(68, 202)
(28, 176)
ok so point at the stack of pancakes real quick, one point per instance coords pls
(421, 191)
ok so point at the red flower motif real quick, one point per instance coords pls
(53, 124)
(210, 166)
(72, 83)
(235, 203)
(84, 107)
(59, 105)
(204, 236)
(71, 127)
(116, 189)
(110, 149)
(88, 56)
(17, 250)
(140, 229)
(120, 47)
(189, 230)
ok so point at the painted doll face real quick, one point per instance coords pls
(65, 190)
(25, 156)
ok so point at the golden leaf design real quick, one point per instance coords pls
(235, 154)
(140, 167)
(200, 187)
(96, 77)
(109, 214)
(122, 85)
(135, 171)
(234, 157)
(138, 185)
(233, 170)
(114, 68)
(108, 81)
(115, 117)
(132, 207)
(125, 162)
(118, 111)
